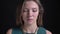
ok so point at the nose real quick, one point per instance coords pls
(30, 13)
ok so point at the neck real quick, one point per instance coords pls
(30, 28)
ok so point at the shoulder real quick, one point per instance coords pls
(13, 30)
(9, 31)
(48, 32)
(45, 30)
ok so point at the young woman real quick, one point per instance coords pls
(29, 18)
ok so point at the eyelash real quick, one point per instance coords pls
(28, 10)
(34, 10)
(25, 10)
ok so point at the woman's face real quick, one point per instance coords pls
(30, 12)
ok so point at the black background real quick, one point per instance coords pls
(8, 15)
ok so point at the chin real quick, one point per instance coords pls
(30, 23)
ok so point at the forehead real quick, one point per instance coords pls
(30, 4)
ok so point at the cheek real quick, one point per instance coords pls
(24, 16)
(35, 15)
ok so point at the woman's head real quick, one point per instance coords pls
(29, 12)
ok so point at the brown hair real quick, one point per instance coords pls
(19, 20)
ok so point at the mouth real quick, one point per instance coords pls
(29, 19)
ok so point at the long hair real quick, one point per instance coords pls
(19, 21)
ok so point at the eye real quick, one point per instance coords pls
(34, 10)
(25, 10)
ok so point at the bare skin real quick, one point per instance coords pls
(30, 13)
(10, 32)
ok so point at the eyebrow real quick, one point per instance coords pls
(32, 8)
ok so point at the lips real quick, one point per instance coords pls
(29, 19)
